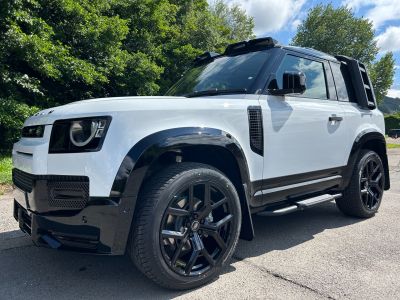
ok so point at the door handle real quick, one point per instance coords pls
(335, 118)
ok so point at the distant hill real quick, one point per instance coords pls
(390, 105)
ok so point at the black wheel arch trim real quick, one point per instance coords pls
(364, 137)
(134, 167)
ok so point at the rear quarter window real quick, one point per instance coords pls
(344, 88)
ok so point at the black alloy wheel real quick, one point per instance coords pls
(196, 229)
(372, 183)
(363, 196)
(186, 226)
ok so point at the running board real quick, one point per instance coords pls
(300, 205)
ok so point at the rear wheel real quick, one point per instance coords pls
(186, 227)
(363, 196)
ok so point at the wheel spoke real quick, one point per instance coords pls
(191, 198)
(219, 203)
(198, 246)
(167, 234)
(224, 221)
(215, 235)
(178, 250)
(378, 188)
(179, 212)
(375, 170)
(364, 192)
(371, 197)
(208, 257)
(378, 178)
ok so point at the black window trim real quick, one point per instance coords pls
(304, 56)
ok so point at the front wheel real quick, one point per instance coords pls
(363, 196)
(186, 227)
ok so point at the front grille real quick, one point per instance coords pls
(62, 191)
(68, 195)
(256, 129)
(23, 180)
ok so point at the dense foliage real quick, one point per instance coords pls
(392, 122)
(56, 51)
(339, 31)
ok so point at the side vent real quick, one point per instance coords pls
(256, 129)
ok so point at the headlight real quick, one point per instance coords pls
(78, 135)
(83, 132)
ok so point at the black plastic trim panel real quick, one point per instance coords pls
(256, 130)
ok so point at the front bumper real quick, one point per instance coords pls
(57, 212)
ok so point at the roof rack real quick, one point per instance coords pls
(251, 45)
(361, 82)
(205, 57)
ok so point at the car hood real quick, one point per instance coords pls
(104, 106)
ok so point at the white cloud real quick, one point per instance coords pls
(393, 93)
(379, 11)
(295, 24)
(390, 39)
(271, 15)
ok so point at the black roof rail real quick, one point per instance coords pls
(360, 81)
(251, 45)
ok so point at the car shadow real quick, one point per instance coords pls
(284, 232)
(30, 272)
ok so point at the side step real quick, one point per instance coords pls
(300, 205)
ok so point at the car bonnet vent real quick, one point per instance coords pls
(256, 129)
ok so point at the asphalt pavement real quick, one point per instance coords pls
(315, 254)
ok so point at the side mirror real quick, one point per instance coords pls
(294, 82)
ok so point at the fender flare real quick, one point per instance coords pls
(136, 163)
(361, 140)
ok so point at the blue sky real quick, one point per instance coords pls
(279, 18)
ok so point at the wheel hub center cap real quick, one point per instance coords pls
(195, 226)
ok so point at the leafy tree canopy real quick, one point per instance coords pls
(56, 51)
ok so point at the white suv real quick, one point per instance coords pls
(174, 180)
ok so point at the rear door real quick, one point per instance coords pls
(303, 134)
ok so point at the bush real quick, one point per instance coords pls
(392, 122)
(12, 117)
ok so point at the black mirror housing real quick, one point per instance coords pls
(294, 82)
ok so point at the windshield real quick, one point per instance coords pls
(224, 74)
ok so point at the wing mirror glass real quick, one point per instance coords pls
(293, 82)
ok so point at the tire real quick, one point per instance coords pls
(176, 240)
(363, 196)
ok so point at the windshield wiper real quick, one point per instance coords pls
(214, 92)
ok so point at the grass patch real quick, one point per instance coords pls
(5, 173)
(393, 146)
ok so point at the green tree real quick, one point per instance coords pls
(53, 52)
(339, 31)
(382, 74)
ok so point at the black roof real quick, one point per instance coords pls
(311, 52)
(260, 44)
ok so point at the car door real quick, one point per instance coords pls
(303, 134)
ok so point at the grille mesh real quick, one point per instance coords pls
(64, 192)
(68, 194)
(256, 129)
(23, 180)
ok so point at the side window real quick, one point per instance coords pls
(344, 91)
(314, 71)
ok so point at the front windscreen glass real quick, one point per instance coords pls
(226, 73)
